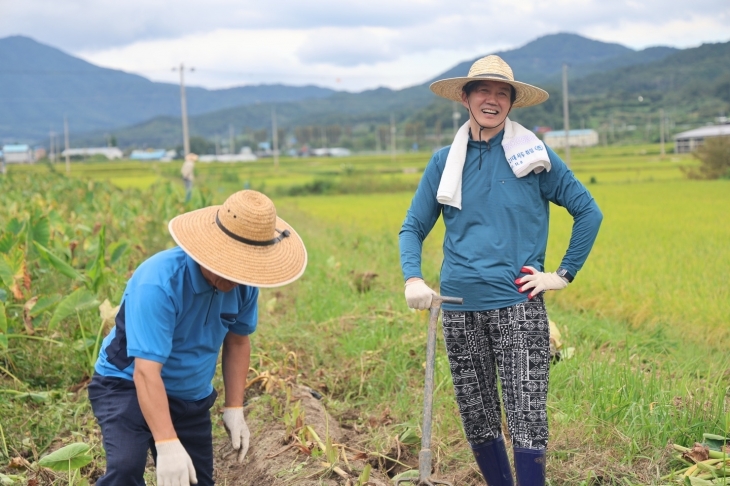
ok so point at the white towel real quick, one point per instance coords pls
(523, 150)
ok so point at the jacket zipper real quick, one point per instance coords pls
(210, 304)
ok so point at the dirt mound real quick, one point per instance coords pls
(275, 458)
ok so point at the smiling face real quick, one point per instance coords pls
(217, 281)
(489, 103)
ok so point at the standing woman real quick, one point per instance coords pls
(493, 187)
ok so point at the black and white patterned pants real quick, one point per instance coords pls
(514, 342)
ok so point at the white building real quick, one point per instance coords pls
(688, 141)
(111, 153)
(331, 152)
(578, 138)
(245, 155)
(18, 154)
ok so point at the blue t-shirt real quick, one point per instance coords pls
(502, 226)
(170, 314)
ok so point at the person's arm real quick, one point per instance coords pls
(236, 360)
(152, 398)
(173, 462)
(561, 187)
(420, 218)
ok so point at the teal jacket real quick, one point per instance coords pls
(502, 226)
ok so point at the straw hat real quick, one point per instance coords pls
(191, 156)
(242, 241)
(490, 68)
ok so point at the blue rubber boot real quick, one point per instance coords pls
(493, 462)
(530, 466)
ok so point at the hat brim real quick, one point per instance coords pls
(197, 233)
(527, 94)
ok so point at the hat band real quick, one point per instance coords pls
(490, 75)
(282, 235)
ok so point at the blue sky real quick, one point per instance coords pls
(350, 45)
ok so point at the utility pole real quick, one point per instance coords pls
(231, 141)
(51, 148)
(566, 115)
(392, 138)
(275, 137)
(661, 130)
(613, 133)
(65, 136)
(184, 108)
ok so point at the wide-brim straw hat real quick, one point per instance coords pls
(192, 156)
(243, 241)
(491, 68)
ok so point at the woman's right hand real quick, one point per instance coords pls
(418, 294)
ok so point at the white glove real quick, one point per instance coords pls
(237, 430)
(539, 281)
(174, 466)
(418, 294)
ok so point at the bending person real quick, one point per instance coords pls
(493, 187)
(152, 383)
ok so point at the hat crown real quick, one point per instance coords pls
(250, 215)
(491, 67)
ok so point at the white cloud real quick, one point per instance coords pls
(347, 45)
(688, 32)
(225, 58)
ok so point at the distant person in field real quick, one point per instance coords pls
(493, 187)
(188, 174)
(152, 389)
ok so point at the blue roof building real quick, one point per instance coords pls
(18, 154)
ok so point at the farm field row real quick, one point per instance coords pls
(622, 164)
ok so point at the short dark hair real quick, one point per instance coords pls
(472, 85)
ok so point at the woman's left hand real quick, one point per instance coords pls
(539, 281)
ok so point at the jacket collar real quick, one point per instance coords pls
(495, 140)
(199, 284)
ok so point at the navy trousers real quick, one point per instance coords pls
(127, 438)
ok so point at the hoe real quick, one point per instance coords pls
(424, 457)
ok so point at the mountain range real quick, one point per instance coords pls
(40, 84)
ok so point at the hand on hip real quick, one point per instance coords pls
(537, 281)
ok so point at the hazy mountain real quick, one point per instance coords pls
(40, 84)
(541, 61)
(604, 78)
(341, 108)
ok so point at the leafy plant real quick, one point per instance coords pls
(68, 458)
(79, 300)
(714, 157)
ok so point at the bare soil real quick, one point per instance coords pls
(274, 459)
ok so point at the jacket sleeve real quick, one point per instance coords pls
(561, 187)
(420, 219)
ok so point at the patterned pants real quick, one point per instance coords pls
(514, 342)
